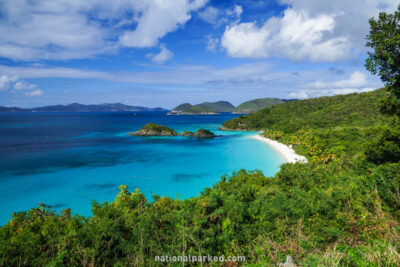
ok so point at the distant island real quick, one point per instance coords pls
(76, 107)
(203, 108)
(212, 108)
(152, 129)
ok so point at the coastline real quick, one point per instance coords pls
(287, 153)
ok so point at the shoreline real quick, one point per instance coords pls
(287, 153)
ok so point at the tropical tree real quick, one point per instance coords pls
(384, 59)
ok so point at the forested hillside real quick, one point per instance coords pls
(342, 110)
(205, 107)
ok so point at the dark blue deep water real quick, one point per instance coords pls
(68, 159)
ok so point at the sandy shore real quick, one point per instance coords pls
(288, 154)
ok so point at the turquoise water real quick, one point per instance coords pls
(67, 160)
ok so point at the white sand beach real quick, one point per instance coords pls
(288, 154)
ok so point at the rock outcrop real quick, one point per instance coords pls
(203, 133)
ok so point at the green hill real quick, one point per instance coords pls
(342, 110)
(257, 104)
(203, 108)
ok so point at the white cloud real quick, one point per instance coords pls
(164, 55)
(6, 80)
(235, 11)
(157, 19)
(212, 44)
(309, 30)
(210, 15)
(303, 94)
(64, 29)
(357, 82)
(245, 40)
(295, 36)
(12, 81)
(35, 93)
(22, 85)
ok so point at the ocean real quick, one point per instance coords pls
(66, 160)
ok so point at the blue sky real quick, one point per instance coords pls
(166, 52)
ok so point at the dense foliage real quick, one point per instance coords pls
(384, 59)
(356, 110)
(257, 104)
(342, 208)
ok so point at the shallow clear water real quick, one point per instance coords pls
(68, 159)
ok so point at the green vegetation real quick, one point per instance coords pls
(257, 104)
(324, 112)
(384, 60)
(206, 107)
(342, 208)
(152, 129)
(201, 133)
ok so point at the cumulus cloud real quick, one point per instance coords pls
(164, 55)
(220, 17)
(157, 19)
(357, 82)
(12, 81)
(64, 29)
(310, 30)
(22, 85)
(35, 93)
(6, 80)
(210, 15)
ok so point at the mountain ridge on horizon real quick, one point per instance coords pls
(77, 107)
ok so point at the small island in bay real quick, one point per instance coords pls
(201, 133)
(152, 129)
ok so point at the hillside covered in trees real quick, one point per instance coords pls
(203, 108)
(341, 110)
